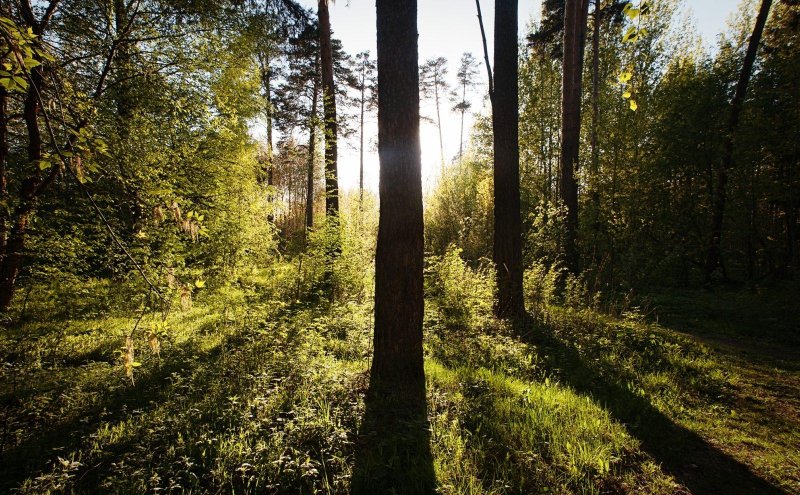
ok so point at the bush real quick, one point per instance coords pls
(465, 296)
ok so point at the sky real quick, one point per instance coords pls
(448, 28)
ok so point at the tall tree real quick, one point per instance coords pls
(329, 110)
(505, 127)
(32, 185)
(467, 70)
(399, 256)
(433, 84)
(575, 16)
(726, 164)
(365, 85)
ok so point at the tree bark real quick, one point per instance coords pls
(15, 244)
(726, 164)
(399, 256)
(312, 151)
(505, 126)
(575, 16)
(329, 107)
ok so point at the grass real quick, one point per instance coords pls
(251, 394)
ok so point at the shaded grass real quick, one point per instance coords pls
(253, 395)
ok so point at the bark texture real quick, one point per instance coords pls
(399, 256)
(575, 16)
(329, 109)
(505, 126)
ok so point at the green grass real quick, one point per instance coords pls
(254, 395)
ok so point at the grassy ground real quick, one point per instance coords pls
(249, 394)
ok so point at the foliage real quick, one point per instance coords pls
(465, 296)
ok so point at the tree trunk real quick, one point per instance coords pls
(438, 118)
(329, 106)
(505, 126)
(594, 175)
(361, 137)
(575, 15)
(266, 83)
(312, 150)
(15, 245)
(399, 256)
(461, 134)
(718, 205)
(3, 180)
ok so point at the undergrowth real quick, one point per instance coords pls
(254, 390)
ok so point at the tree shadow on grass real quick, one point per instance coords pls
(682, 453)
(37, 452)
(393, 452)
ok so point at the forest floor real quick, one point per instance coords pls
(698, 393)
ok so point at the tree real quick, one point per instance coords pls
(399, 256)
(575, 17)
(432, 83)
(727, 162)
(505, 127)
(467, 70)
(365, 85)
(329, 110)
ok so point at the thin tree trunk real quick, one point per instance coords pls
(329, 106)
(312, 151)
(15, 245)
(3, 179)
(461, 135)
(791, 221)
(361, 138)
(438, 118)
(595, 146)
(485, 50)
(505, 127)
(726, 164)
(266, 83)
(399, 256)
(575, 15)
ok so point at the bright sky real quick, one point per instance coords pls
(448, 28)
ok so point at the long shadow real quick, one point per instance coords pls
(698, 465)
(392, 451)
(34, 454)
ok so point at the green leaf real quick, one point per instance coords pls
(631, 35)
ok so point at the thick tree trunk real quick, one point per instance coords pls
(575, 16)
(718, 205)
(505, 126)
(329, 106)
(399, 257)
